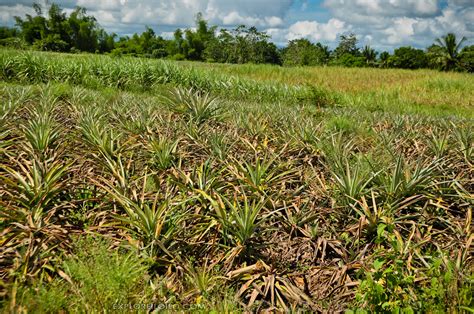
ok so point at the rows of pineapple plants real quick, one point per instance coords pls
(230, 205)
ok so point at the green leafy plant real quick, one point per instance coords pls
(198, 107)
(352, 181)
(162, 152)
(261, 174)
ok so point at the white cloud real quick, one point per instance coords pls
(7, 13)
(102, 4)
(462, 3)
(317, 31)
(401, 29)
(106, 17)
(392, 23)
(352, 9)
(265, 13)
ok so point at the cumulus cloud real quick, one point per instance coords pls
(353, 9)
(235, 18)
(179, 13)
(263, 13)
(7, 13)
(462, 3)
(401, 29)
(317, 31)
(404, 22)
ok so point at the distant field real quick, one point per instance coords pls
(423, 89)
(129, 182)
(404, 91)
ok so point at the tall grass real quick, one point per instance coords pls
(136, 74)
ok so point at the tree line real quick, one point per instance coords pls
(54, 30)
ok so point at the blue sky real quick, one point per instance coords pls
(384, 24)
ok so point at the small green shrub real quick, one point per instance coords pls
(389, 288)
(94, 279)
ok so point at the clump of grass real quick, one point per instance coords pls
(95, 278)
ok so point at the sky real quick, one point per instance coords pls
(382, 24)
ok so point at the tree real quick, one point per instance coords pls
(52, 42)
(349, 60)
(57, 25)
(466, 59)
(408, 58)
(7, 32)
(191, 44)
(449, 52)
(241, 45)
(204, 32)
(106, 41)
(84, 31)
(383, 59)
(32, 28)
(59, 32)
(347, 45)
(176, 46)
(147, 40)
(369, 54)
(218, 49)
(302, 52)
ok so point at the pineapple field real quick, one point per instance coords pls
(131, 184)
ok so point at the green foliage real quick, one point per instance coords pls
(408, 58)
(302, 52)
(35, 186)
(242, 45)
(341, 124)
(402, 180)
(239, 220)
(387, 288)
(60, 33)
(369, 54)
(140, 74)
(52, 42)
(44, 297)
(383, 59)
(349, 60)
(95, 278)
(448, 52)
(162, 152)
(260, 174)
(352, 181)
(466, 59)
(8, 32)
(196, 106)
(347, 45)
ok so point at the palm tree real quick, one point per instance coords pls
(369, 54)
(449, 52)
(384, 59)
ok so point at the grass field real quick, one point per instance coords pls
(146, 184)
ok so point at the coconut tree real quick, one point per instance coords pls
(383, 59)
(449, 50)
(369, 54)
